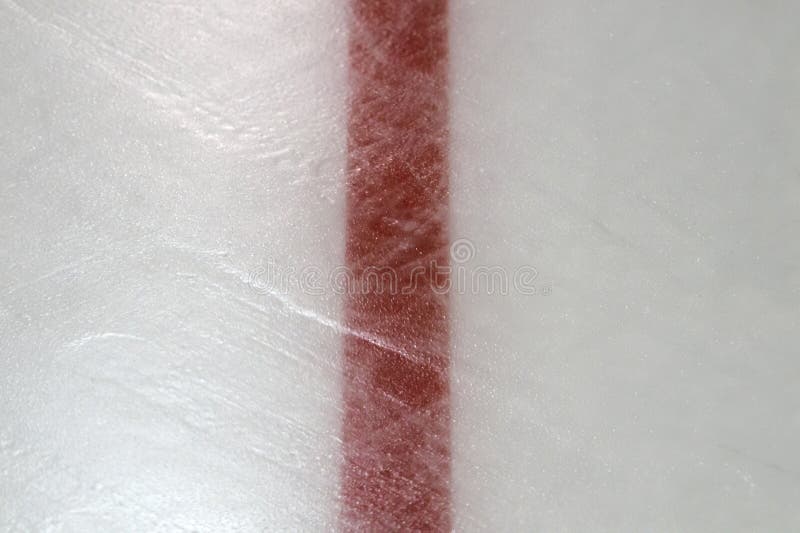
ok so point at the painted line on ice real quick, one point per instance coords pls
(396, 427)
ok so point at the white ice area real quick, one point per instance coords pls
(157, 157)
(644, 157)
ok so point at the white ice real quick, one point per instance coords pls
(159, 159)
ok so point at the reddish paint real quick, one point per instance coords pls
(396, 433)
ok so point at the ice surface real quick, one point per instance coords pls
(642, 156)
(156, 156)
(159, 159)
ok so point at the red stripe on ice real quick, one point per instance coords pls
(396, 432)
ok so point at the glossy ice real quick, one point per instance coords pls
(164, 163)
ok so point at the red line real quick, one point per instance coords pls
(396, 431)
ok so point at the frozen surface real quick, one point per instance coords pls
(157, 157)
(643, 157)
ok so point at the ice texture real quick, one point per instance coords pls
(157, 157)
(161, 161)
